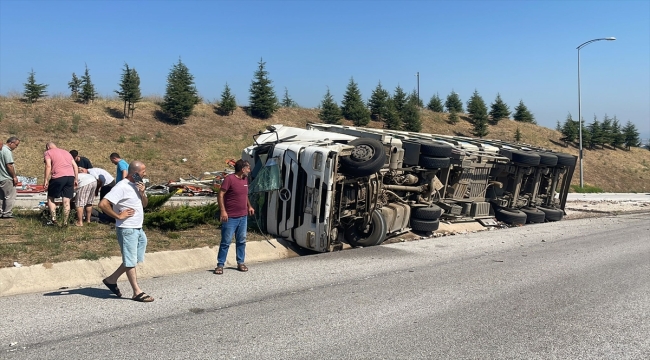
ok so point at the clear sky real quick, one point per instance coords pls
(521, 49)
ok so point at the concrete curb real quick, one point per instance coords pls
(80, 273)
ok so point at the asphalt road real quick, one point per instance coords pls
(569, 290)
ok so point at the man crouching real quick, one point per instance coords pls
(126, 203)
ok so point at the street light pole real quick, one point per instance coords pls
(418, 75)
(580, 104)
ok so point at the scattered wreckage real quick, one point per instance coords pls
(327, 185)
(205, 185)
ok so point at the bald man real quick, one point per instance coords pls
(125, 203)
(60, 179)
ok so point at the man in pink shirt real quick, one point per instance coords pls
(61, 167)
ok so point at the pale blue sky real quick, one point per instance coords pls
(520, 49)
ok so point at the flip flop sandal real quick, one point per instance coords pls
(113, 288)
(142, 297)
(218, 270)
(242, 267)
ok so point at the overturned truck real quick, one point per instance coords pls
(327, 184)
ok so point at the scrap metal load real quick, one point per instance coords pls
(329, 184)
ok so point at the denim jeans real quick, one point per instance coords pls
(236, 226)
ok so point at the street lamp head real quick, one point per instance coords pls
(611, 38)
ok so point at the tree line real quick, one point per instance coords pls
(398, 111)
(609, 132)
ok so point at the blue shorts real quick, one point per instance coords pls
(133, 243)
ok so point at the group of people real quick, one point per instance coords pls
(70, 176)
(124, 199)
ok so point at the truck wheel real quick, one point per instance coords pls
(432, 212)
(366, 159)
(533, 215)
(565, 159)
(510, 216)
(429, 162)
(552, 214)
(424, 225)
(547, 159)
(521, 157)
(375, 235)
(435, 149)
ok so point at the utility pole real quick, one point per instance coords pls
(418, 75)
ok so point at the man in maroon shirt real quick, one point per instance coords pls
(235, 208)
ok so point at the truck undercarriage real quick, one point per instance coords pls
(328, 184)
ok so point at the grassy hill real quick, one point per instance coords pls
(207, 140)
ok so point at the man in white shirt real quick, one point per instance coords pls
(126, 203)
(84, 197)
(105, 181)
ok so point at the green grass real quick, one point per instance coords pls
(76, 119)
(586, 189)
(89, 255)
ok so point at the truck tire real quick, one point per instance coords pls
(376, 235)
(432, 212)
(521, 157)
(429, 162)
(547, 159)
(533, 215)
(510, 216)
(565, 159)
(551, 213)
(424, 225)
(367, 158)
(435, 149)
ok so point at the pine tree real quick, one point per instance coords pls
(129, 89)
(618, 138)
(125, 86)
(227, 105)
(329, 110)
(499, 110)
(263, 101)
(606, 130)
(522, 114)
(569, 130)
(180, 95)
(378, 103)
(453, 117)
(453, 103)
(393, 120)
(34, 91)
(631, 135)
(75, 86)
(411, 115)
(518, 135)
(353, 107)
(288, 102)
(476, 107)
(435, 104)
(88, 92)
(413, 96)
(134, 91)
(399, 100)
(479, 116)
(595, 134)
(558, 126)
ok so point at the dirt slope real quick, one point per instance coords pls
(207, 140)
